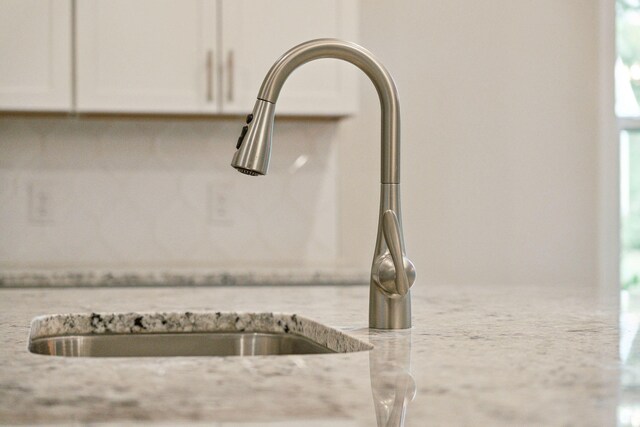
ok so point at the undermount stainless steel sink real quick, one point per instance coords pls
(175, 334)
(177, 344)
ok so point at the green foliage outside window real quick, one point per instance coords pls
(628, 47)
(628, 36)
(631, 222)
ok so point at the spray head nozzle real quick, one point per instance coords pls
(254, 143)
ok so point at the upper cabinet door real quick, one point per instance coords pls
(150, 56)
(35, 55)
(255, 33)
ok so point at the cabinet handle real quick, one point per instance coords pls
(230, 71)
(209, 75)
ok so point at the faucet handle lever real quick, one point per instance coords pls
(391, 231)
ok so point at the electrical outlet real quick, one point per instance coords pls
(41, 202)
(219, 204)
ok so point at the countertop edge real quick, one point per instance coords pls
(177, 278)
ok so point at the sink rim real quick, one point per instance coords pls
(177, 344)
(182, 322)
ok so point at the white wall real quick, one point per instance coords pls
(499, 103)
(500, 133)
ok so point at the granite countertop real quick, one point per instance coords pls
(181, 277)
(476, 356)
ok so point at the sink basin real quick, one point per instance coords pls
(180, 344)
(185, 334)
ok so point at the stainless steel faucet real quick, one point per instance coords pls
(392, 273)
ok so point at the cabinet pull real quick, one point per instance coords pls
(230, 71)
(209, 75)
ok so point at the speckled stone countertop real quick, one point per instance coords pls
(504, 355)
(178, 277)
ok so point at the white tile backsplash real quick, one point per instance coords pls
(151, 193)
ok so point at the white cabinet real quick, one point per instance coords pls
(35, 55)
(152, 56)
(208, 56)
(170, 56)
(255, 33)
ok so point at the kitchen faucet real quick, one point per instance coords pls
(392, 273)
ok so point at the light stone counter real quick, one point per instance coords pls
(512, 356)
(180, 277)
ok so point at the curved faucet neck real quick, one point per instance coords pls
(363, 59)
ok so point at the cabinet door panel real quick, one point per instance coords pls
(146, 55)
(255, 33)
(35, 52)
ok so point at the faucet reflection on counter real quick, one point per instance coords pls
(392, 273)
(392, 384)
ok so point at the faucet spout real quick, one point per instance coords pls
(363, 59)
(392, 274)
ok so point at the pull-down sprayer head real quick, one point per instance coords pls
(254, 144)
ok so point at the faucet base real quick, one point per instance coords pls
(389, 312)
